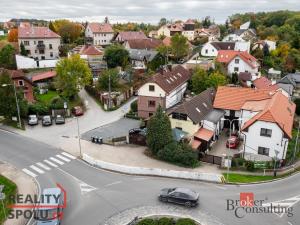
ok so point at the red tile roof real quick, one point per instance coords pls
(144, 43)
(265, 83)
(130, 35)
(43, 76)
(167, 41)
(169, 80)
(204, 134)
(101, 27)
(233, 98)
(90, 50)
(283, 116)
(196, 144)
(226, 56)
(176, 27)
(36, 32)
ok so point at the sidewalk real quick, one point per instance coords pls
(127, 155)
(26, 186)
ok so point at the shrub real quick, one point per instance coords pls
(134, 106)
(166, 221)
(57, 103)
(250, 166)
(38, 108)
(147, 222)
(185, 221)
(180, 154)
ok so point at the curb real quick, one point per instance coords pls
(214, 178)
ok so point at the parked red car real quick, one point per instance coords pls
(233, 142)
(77, 111)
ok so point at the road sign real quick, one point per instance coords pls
(260, 165)
(65, 105)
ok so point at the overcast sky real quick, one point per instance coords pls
(137, 10)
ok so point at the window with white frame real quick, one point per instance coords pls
(263, 151)
(265, 132)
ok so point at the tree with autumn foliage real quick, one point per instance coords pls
(13, 35)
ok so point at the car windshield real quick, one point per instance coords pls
(58, 116)
(32, 117)
(46, 214)
(47, 118)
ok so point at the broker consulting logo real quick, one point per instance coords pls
(247, 204)
(45, 208)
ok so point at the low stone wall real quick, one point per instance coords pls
(210, 177)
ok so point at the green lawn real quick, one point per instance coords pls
(46, 98)
(243, 178)
(3, 37)
(10, 188)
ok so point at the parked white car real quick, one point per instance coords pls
(33, 120)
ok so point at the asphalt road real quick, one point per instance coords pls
(94, 195)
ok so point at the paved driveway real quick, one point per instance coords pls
(119, 128)
(94, 117)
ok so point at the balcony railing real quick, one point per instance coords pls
(41, 46)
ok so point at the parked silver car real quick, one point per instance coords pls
(47, 121)
(32, 120)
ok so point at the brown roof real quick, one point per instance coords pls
(176, 27)
(43, 76)
(245, 76)
(36, 32)
(90, 50)
(144, 43)
(226, 56)
(169, 80)
(283, 116)
(265, 83)
(190, 21)
(15, 74)
(233, 98)
(129, 35)
(167, 41)
(197, 107)
(204, 134)
(101, 27)
(219, 45)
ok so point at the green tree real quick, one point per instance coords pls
(8, 107)
(216, 79)
(164, 51)
(72, 74)
(199, 79)
(22, 49)
(179, 46)
(7, 57)
(116, 55)
(52, 27)
(159, 132)
(103, 82)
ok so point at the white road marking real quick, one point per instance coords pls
(117, 182)
(29, 172)
(84, 187)
(63, 158)
(50, 163)
(37, 169)
(285, 204)
(68, 155)
(220, 187)
(140, 178)
(43, 166)
(57, 161)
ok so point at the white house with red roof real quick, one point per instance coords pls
(100, 33)
(40, 42)
(238, 61)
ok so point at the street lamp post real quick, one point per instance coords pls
(78, 134)
(17, 102)
(230, 124)
(276, 154)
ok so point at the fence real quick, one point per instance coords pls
(211, 159)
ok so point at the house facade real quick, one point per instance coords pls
(211, 49)
(99, 33)
(237, 61)
(165, 88)
(40, 42)
(129, 35)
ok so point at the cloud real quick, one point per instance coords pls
(139, 11)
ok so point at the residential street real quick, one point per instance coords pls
(93, 118)
(95, 195)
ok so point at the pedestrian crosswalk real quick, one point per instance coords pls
(281, 207)
(48, 164)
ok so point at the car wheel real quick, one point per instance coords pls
(188, 204)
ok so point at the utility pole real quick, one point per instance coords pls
(109, 92)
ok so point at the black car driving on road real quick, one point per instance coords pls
(182, 196)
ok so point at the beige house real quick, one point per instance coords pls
(40, 42)
(99, 33)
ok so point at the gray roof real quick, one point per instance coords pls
(197, 107)
(239, 32)
(215, 115)
(289, 88)
(219, 45)
(291, 78)
(141, 54)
